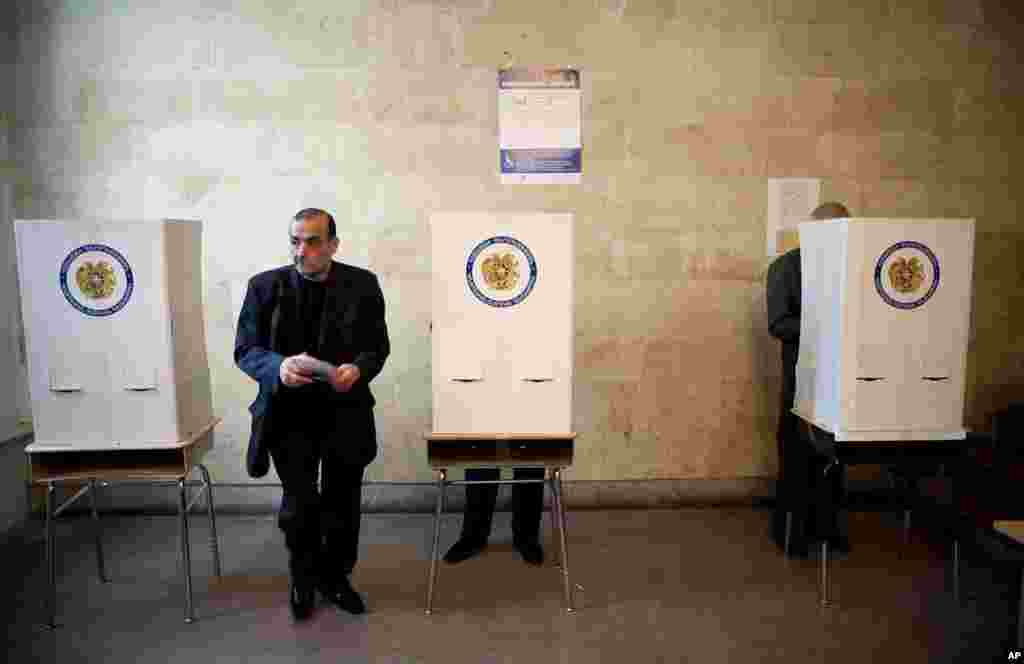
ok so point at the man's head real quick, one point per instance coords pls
(830, 210)
(789, 238)
(314, 240)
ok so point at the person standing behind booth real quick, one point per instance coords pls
(528, 502)
(313, 336)
(811, 515)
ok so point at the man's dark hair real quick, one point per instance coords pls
(313, 213)
(830, 210)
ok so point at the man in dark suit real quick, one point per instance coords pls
(313, 336)
(812, 507)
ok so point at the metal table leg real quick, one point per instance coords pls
(438, 507)
(208, 487)
(185, 556)
(51, 563)
(956, 571)
(97, 530)
(557, 558)
(560, 509)
(824, 574)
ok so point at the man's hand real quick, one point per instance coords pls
(293, 372)
(345, 377)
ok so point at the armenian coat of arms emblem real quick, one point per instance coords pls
(96, 280)
(501, 271)
(907, 275)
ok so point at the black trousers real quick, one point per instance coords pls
(320, 526)
(802, 488)
(527, 503)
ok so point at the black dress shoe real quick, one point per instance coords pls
(342, 595)
(301, 599)
(464, 549)
(530, 550)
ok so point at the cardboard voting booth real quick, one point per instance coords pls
(114, 330)
(502, 330)
(885, 316)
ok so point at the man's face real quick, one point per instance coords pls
(311, 250)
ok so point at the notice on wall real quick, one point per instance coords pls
(539, 120)
(790, 201)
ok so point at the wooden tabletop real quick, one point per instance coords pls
(1014, 529)
(453, 436)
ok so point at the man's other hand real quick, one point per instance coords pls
(345, 377)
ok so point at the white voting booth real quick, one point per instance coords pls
(884, 323)
(502, 331)
(115, 336)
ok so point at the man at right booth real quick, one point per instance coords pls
(813, 513)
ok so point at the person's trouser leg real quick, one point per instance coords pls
(527, 505)
(782, 498)
(480, 502)
(296, 460)
(341, 516)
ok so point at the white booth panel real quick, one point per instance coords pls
(502, 322)
(885, 314)
(98, 329)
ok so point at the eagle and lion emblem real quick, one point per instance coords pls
(906, 276)
(501, 271)
(96, 280)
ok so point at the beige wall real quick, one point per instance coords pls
(239, 112)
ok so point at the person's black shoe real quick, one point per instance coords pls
(301, 599)
(342, 595)
(530, 550)
(464, 549)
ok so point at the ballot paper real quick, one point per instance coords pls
(317, 369)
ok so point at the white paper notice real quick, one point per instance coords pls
(539, 120)
(790, 201)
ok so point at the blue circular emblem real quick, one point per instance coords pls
(501, 271)
(906, 274)
(101, 280)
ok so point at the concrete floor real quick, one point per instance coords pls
(680, 585)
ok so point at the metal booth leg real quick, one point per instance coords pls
(438, 508)
(208, 487)
(51, 563)
(556, 531)
(560, 509)
(956, 571)
(186, 567)
(825, 602)
(97, 530)
(788, 535)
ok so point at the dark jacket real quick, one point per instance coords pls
(352, 330)
(784, 317)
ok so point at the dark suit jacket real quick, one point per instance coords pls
(784, 317)
(352, 331)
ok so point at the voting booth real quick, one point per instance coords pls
(885, 316)
(502, 331)
(115, 335)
